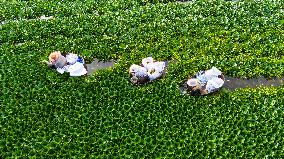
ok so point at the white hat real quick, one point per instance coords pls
(137, 69)
(60, 61)
(147, 61)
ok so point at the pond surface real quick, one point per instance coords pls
(232, 83)
(98, 65)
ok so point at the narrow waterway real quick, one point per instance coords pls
(232, 83)
(98, 65)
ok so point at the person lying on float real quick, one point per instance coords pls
(71, 63)
(205, 82)
(147, 72)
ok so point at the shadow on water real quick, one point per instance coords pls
(98, 65)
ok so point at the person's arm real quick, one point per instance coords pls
(49, 64)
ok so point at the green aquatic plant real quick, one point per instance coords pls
(47, 115)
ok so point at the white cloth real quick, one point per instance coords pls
(155, 70)
(207, 75)
(150, 68)
(138, 71)
(211, 79)
(71, 58)
(212, 73)
(147, 61)
(213, 84)
(77, 69)
(74, 68)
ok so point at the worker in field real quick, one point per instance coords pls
(148, 71)
(70, 63)
(205, 82)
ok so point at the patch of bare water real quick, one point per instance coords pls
(19, 44)
(232, 83)
(188, 1)
(98, 65)
(184, 1)
(43, 17)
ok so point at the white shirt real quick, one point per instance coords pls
(74, 68)
(213, 84)
(150, 68)
(211, 79)
(154, 69)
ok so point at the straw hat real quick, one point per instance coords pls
(57, 59)
(193, 82)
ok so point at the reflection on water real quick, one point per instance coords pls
(98, 65)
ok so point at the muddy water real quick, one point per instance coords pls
(232, 83)
(98, 65)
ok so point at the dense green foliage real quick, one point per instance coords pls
(44, 114)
